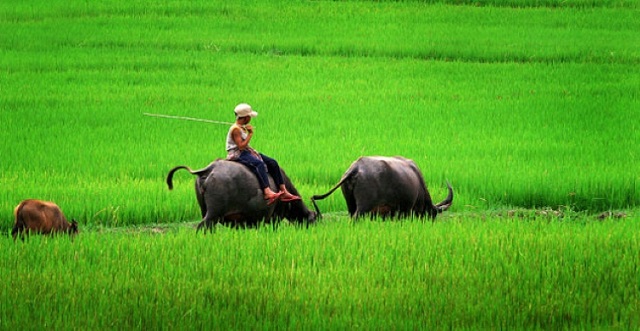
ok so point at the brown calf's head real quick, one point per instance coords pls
(73, 227)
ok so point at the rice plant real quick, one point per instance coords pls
(528, 108)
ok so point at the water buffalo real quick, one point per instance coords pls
(44, 217)
(386, 186)
(229, 193)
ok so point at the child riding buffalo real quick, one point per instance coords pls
(238, 150)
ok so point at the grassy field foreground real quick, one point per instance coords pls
(532, 272)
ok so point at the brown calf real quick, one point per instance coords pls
(44, 217)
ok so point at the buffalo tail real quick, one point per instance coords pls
(346, 176)
(172, 171)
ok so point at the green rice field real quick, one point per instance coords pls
(530, 109)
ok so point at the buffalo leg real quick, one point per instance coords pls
(352, 205)
(209, 221)
(208, 225)
(200, 196)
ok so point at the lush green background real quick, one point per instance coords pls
(529, 109)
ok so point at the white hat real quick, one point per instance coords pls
(243, 110)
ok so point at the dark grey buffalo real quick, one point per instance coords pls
(229, 193)
(388, 187)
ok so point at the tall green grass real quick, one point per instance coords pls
(537, 137)
(458, 273)
(527, 104)
(355, 29)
